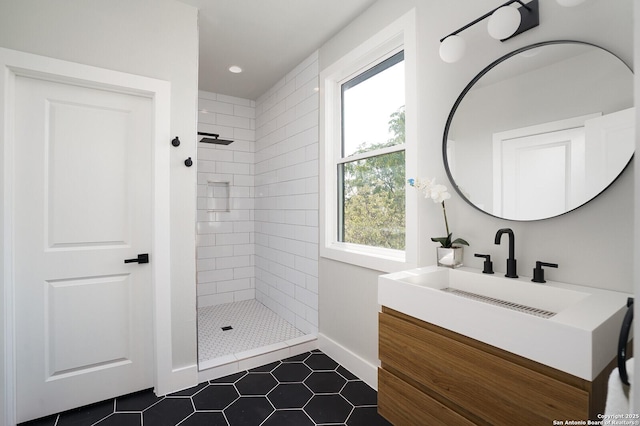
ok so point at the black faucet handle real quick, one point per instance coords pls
(538, 272)
(488, 264)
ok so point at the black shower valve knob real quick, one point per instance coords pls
(175, 141)
(188, 162)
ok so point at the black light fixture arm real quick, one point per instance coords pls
(486, 15)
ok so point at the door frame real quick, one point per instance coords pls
(500, 138)
(14, 63)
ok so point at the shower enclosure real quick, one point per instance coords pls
(257, 229)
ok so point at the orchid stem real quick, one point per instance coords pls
(446, 224)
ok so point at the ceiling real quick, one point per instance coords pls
(266, 38)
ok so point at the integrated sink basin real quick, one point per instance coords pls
(534, 299)
(572, 328)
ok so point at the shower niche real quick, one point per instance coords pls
(217, 196)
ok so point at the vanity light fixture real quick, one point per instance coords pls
(504, 23)
(452, 48)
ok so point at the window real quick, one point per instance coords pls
(368, 134)
(371, 169)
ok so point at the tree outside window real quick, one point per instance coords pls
(371, 173)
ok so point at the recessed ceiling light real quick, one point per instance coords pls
(235, 69)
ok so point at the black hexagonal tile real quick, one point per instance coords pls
(215, 397)
(291, 372)
(86, 415)
(267, 368)
(232, 378)
(328, 409)
(290, 395)
(248, 410)
(256, 384)
(168, 412)
(325, 382)
(122, 419)
(320, 361)
(366, 416)
(137, 401)
(359, 393)
(205, 419)
(297, 358)
(301, 390)
(346, 373)
(289, 418)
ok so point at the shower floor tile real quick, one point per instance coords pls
(253, 325)
(307, 389)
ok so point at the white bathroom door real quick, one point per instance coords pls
(541, 175)
(83, 175)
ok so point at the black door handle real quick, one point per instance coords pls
(142, 258)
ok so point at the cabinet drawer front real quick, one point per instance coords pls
(402, 404)
(486, 385)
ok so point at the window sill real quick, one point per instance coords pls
(383, 260)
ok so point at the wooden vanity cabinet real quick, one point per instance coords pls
(433, 376)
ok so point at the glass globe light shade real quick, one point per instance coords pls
(569, 3)
(504, 22)
(452, 48)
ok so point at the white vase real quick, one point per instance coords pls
(450, 257)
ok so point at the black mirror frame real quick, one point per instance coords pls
(470, 85)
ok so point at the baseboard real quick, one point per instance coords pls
(180, 379)
(362, 368)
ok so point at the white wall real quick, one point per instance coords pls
(592, 245)
(286, 197)
(225, 240)
(153, 38)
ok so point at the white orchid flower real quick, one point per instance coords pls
(424, 185)
(439, 193)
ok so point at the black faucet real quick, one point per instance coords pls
(511, 261)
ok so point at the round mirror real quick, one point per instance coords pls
(541, 131)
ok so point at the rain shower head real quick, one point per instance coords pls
(214, 139)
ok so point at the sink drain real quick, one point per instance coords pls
(502, 303)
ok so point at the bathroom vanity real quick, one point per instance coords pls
(461, 348)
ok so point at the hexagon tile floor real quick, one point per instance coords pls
(307, 389)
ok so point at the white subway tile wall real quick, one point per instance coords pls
(286, 197)
(266, 246)
(225, 239)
